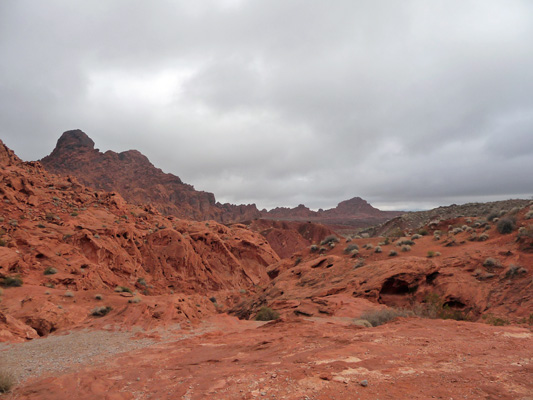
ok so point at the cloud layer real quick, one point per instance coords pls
(408, 104)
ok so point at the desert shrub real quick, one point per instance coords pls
(529, 214)
(526, 232)
(123, 289)
(483, 237)
(457, 230)
(491, 262)
(431, 254)
(393, 253)
(405, 242)
(505, 225)
(141, 281)
(514, 270)
(7, 381)
(135, 300)
(434, 307)
(416, 236)
(266, 314)
(380, 317)
(213, 299)
(368, 246)
(423, 232)
(496, 321)
(313, 248)
(50, 271)
(101, 311)
(437, 254)
(360, 263)
(406, 248)
(11, 281)
(322, 249)
(348, 249)
(377, 249)
(330, 239)
(354, 253)
(69, 294)
(98, 297)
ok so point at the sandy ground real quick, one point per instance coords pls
(294, 359)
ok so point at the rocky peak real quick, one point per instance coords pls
(355, 205)
(75, 139)
(7, 157)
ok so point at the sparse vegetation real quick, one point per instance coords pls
(7, 381)
(266, 314)
(98, 297)
(393, 253)
(101, 311)
(406, 242)
(406, 248)
(505, 226)
(330, 239)
(496, 321)
(380, 317)
(492, 262)
(348, 249)
(431, 254)
(50, 271)
(514, 270)
(134, 300)
(11, 281)
(123, 289)
(416, 236)
(69, 294)
(377, 249)
(483, 237)
(313, 248)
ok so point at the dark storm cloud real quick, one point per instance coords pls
(406, 104)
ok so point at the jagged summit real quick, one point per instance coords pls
(131, 174)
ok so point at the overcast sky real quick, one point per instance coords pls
(407, 104)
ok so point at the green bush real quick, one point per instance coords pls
(330, 239)
(505, 225)
(380, 317)
(348, 249)
(266, 314)
(123, 289)
(50, 271)
(11, 281)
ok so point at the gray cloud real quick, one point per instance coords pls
(406, 104)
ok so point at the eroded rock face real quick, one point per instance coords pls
(58, 235)
(448, 277)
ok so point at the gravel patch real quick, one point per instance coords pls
(64, 353)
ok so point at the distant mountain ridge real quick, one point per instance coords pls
(131, 174)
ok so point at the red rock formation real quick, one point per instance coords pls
(289, 237)
(95, 241)
(451, 273)
(349, 214)
(133, 176)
